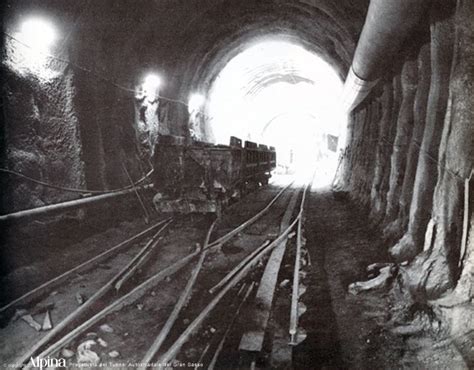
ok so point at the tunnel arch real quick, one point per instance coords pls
(186, 42)
(211, 56)
(409, 154)
(325, 29)
(240, 101)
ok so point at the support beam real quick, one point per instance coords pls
(252, 340)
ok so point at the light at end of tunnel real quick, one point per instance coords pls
(196, 101)
(38, 33)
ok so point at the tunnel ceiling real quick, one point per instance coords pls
(190, 41)
(219, 33)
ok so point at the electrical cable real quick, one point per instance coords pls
(74, 190)
(113, 83)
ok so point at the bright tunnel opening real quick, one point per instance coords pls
(280, 94)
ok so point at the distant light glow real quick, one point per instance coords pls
(151, 84)
(196, 101)
(280, 94)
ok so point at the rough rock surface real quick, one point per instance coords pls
(433, 234)
(72, 120)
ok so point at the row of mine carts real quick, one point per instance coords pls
(194, 176)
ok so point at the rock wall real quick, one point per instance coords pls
(40, 131)
(108, 120)
(70, 120)
(409, 163)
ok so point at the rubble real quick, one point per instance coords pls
(380, 281)
(284, 283)
(79, 298)
(31, 322)
(67, 353)
(301, 289)
(47, 324)
(106, 328)
(85, 355)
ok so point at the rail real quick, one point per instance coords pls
(34, 293)
(52, 342)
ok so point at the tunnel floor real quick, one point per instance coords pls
(336, 322)
(369, 330)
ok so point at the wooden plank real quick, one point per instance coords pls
(296, 284)
(176, 346)
(465, 224)
(252, 340)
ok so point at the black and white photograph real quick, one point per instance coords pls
(237, 184)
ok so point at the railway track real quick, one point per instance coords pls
(173, 327)
(72, 294)
(47, 286)
(243, 296)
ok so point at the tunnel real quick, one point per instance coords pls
(112, 110)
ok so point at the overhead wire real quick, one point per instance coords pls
(74, 190)
(102, 77)
(95, 73)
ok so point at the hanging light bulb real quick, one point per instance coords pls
(151, 84)
(196, 101)
(39, 34)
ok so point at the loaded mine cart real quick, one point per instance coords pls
(194, 176)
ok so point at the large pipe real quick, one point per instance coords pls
(355, 90)
(65, 206)
(387, 26)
